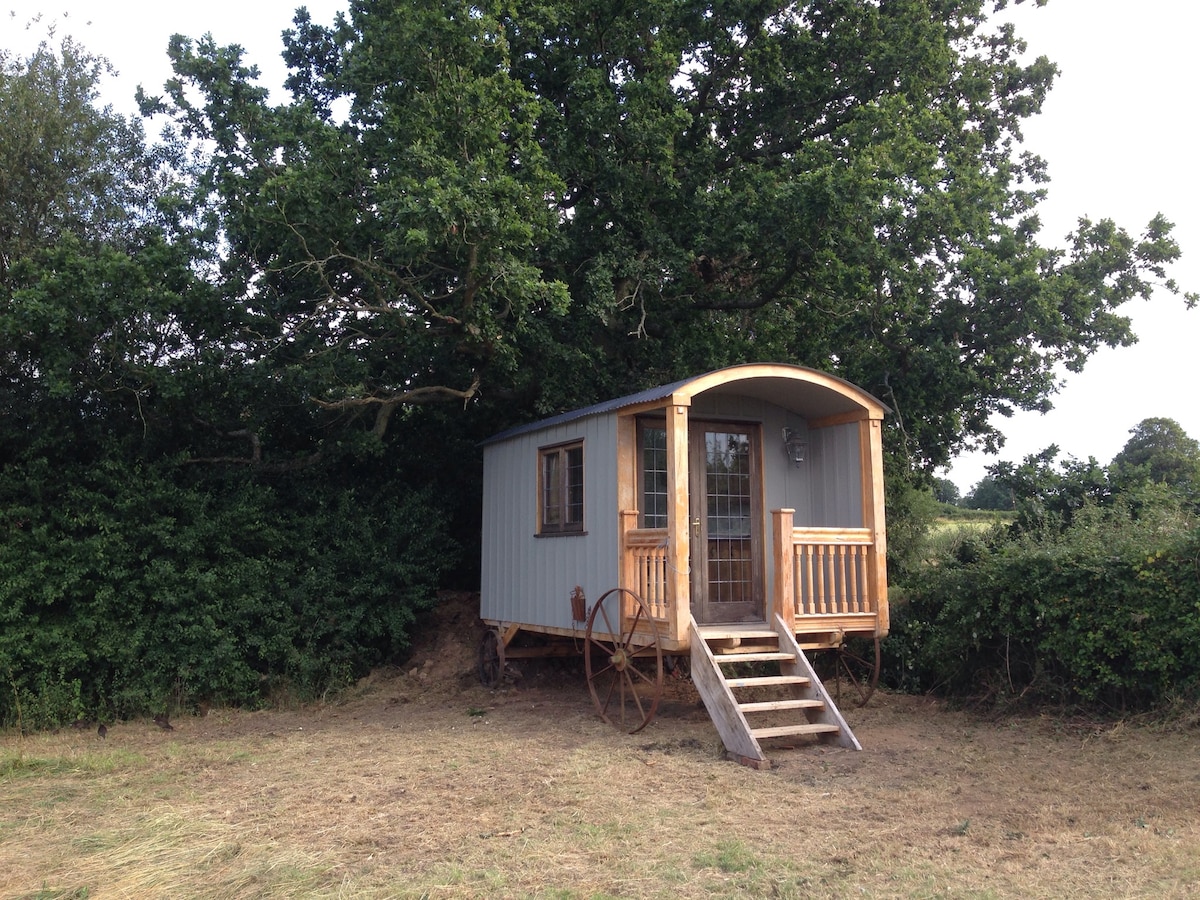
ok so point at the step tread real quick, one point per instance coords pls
(785, 730)
(769, 705)
(742, 632)
(766, 680)
(755, 656)
(756, 646)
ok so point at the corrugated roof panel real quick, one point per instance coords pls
(646, 396)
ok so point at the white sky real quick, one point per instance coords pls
(1112, 131)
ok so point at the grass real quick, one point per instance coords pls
(380, 799)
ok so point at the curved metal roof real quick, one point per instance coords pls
(808, 392)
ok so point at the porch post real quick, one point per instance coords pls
(679, 522)
(783, 597)
(628, 575)
(870, 443)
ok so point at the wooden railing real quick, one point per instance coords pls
(826, 577)
(646, 569)
(831, 571)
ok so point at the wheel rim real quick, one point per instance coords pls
(623, 660)
(491, 659)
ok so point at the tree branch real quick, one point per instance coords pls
(388, 404)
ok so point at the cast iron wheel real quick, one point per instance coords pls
(623, 660)
(856, 664)
(491, 659)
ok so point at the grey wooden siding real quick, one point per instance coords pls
(527, 579)
(836, 477)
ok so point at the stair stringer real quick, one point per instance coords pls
(719, 701)
(829, 713)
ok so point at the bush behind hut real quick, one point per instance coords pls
(1103, 611)
(128, 589)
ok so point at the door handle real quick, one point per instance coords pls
(696, 527)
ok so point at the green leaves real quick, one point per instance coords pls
(833, 182)
(391, 256)
(1089, 597)
(66, 166)
(143, 592)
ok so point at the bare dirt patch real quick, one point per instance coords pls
(422, 783)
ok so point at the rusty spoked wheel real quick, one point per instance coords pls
(623, 659)
(854, 664)
(491, 659)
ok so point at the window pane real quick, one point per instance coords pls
(552, 489)
(561, 499)
(654, 477)
(574, 512)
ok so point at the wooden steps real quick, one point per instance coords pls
(739, 632)
(812, 711)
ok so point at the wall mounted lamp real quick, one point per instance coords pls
(795, 446)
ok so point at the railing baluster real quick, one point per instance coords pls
(839, 586)
(822, 598)
(852, 602)
(810, 575)
(856, 573)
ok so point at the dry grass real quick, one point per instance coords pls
(405, 790)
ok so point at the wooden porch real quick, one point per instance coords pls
(828, 582)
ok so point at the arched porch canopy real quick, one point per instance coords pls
(817, 396)
(807, 392)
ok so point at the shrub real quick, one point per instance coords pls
(1104, 612)
(125, 589)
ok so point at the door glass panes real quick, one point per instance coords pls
(729, 520)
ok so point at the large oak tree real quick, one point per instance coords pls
(546, 203)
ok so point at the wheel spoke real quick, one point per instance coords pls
(636, 699)
(859, 671)
(642, 675)
(491, 659)
(607, 623)
(612, 683)
(637, 618)
(603, 646)
(601, 673)
(853, 679)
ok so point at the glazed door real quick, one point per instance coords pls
(726, 523)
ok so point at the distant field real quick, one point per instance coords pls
(946, 523)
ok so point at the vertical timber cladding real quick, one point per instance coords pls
(529, 579)
(838, 479)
